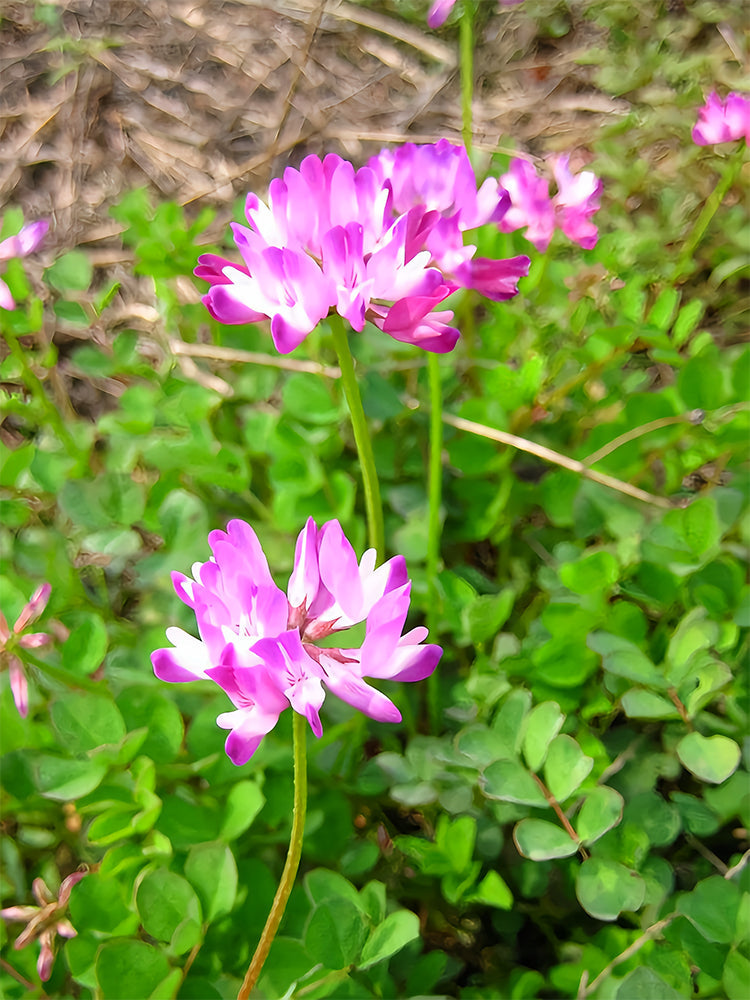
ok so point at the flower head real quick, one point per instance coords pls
(20, 245)
(46, 921)
(723, 121)
(381, 244)
(570, 210)
(262, 646)
(440, 9)
(11, 640)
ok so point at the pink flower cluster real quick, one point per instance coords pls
(570, 210)
(723, 121)
(376, 244)
(440, 10)
(260, 645)
(9, 641)
(46, 921)
(20, 245)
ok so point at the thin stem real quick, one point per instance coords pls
(292, 859)
(648, 935)
(373, 504)
(532, 448)
(731, 170)
(466, 44)
(435, 485)
(560, 815)
(695, 417)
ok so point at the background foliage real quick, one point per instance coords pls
(575, 824)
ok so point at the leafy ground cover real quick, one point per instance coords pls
(564, 809)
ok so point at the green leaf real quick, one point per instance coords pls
(335, 933)
(456, 840)
(212, 871)
(736, 976)
(169, 909)
(638, 703)
(71, 272)
(307, 398)
(485, 616)
(662, 311)
(601, 810)
(83, 721)
(566, 767)
(712, 908)
(606, 888)
(540, 840)
(508, 722)
(128, 969)
(64, 780)
(710, 758)
(492, 891)
(658, 818)
(624, 659)
(697, 525)
(543, 723)
(396, 931)
(645, 984)
(593, 572)
(244, 802)
(509, 781)
(86, 646)
(144, 706)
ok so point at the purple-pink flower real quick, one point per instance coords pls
(570, 210)
(261, 645)
(20, 245)
(11, 640)
(382, 244)
(46, 921)
(440, 9)
(723, 121)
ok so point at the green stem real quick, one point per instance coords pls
(292, 859)
(373, 504)
(714, 200)
(35, 387)
(435, 483)
(466, 53)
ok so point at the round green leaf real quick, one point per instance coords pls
(593, 572)
(712, 908)
(83, 721)
(396, 931)
(335, 933)
(736, 976)
(606, 888)
(539, 840)
(492, 891)
(566, 767)
(600, 812)
(85, 647)
(658, 818)
(645, 984)
(638, 703)
(169, 909)
(127, 969)
(509, 781)
(710, 758)
(625, 659)
(244, 802)
(144, 706)
(212, 871)
(63, 779)
(543, 723)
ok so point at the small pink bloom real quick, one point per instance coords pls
(260, 645)
(20, 245)
(723, 121)
(10, 641)
(46, 921)
(440, 9)
(577, 199)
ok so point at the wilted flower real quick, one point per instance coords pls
(440, 10)
(570, 210)
(369, 244)
(9, 641)
(45, 921)
(261, 646)
(20, 245)
(723, 121)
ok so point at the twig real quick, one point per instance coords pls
(231, 354)
(707, 854)
(675, 699)
(736, 869)
(16, 975)
(648, 935)
(694, 417)
(532, 448)
(560, 815)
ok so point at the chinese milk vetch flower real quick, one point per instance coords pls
(439, 176)
(46, 921)
(261, 645)
(723, 121)
(11, 640)
(20, 245)
(382, 244)
(570, 210)
(440, 9)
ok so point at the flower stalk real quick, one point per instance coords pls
(373, 503)
(435, 488)
(292, 860)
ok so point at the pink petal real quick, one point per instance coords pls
(34, 608)
(18, 686)
(67, 885)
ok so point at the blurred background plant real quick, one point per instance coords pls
(577, 823)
